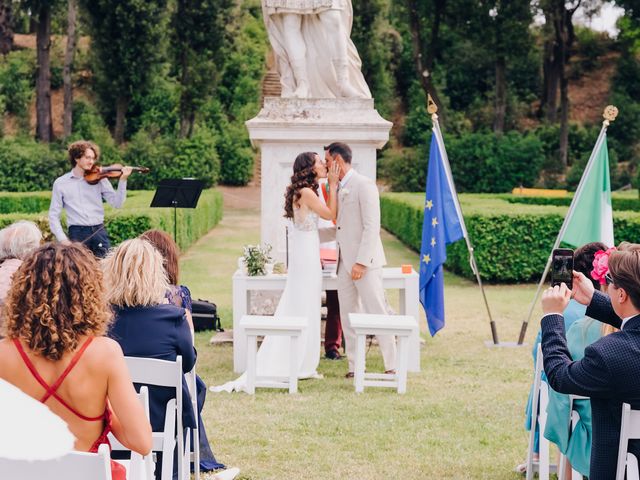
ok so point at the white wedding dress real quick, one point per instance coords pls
(301, 298)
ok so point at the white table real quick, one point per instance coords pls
(392, 278)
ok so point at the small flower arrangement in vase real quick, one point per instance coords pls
(256, 259)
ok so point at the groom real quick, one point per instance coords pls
(360, 253)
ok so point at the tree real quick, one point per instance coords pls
(425, 17)
(6, 29)
(510, 27)
(559, 38)
(198, 32)
(41, 11)
(379, 46)
(127, 41)
(69, 55)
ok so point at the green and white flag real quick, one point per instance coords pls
(590, 214)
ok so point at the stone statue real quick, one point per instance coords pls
(315, 56)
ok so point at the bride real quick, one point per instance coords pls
(301, 296)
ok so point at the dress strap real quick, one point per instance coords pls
(51, 391)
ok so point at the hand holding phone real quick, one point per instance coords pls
(562, 267)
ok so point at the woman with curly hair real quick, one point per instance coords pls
(301, 296)
(56, 316)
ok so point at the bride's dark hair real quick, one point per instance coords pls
(304, 176)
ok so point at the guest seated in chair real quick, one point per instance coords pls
(56, 314)
(180, 296)
(16, 242)
(608, 373)
(576, 446)
(146, 325)
(574, 312)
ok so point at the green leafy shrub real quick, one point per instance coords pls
(17, 84)
(167, 157)
(88, 125)
(404, 170)
(26, 165)
(497, 231)
(484, 162)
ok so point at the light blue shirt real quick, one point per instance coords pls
(82, 201)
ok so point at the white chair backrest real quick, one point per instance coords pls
(139, 467)
(164, 373)
(629, 430)
(73, 466)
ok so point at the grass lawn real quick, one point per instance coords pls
(462, 416)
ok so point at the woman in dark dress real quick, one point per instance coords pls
(180, 296)
(145, 325)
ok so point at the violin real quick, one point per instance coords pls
(97, 173)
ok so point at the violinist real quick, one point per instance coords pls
(83, 201)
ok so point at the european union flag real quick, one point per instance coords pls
(441, 226)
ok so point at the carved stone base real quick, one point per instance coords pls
(286, 127)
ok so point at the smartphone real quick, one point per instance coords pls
(562, 267)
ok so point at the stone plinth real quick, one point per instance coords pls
(286, 127)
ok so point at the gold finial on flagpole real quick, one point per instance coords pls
(432, 108)
(610, 113)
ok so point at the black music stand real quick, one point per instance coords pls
(177, 193)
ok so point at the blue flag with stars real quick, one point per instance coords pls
(440, 227)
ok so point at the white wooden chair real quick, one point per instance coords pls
(541, 399)
(138, 467)
(629, 430)
(73, 466)
(195, 455)
(572, 422)
(164, 373)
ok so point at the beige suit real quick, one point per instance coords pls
(358, 241)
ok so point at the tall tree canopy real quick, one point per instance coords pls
(126, 38)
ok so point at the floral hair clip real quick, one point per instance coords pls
(601, 265)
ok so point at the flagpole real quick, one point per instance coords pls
(432, 109)
(609, 115)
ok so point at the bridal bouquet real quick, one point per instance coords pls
(256, 258)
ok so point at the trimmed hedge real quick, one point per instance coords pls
(130, 221)
(619, 204)
(510, 245)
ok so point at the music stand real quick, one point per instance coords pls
(177, 193)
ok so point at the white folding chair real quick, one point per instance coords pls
(572, 422)
(73, 466)
(541, 399)
(138, 467)
(195, 455)
(629, 430)
(164, 373)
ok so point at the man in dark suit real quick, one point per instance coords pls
(609, 373)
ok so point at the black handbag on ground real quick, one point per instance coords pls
(205, 316)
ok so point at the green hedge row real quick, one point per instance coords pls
(510, 245)
(128, 222)
(631, 204)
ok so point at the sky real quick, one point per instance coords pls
(605, 21)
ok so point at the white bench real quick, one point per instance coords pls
(403, 327)
(261, 325)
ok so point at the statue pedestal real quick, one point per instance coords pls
(286, 127)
